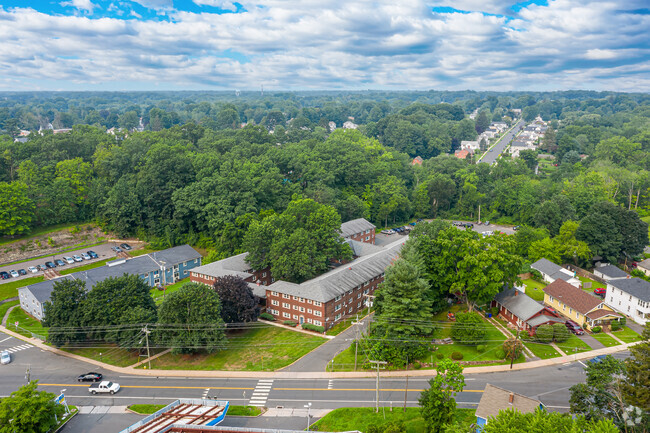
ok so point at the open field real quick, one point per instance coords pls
(9, 290)
(108, 353)
(534, 289)
(26, 324)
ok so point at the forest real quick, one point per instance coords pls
(200, 167)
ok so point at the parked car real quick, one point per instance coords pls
(77, 258)
(50, 265)
(597, 359)
(116, 249)
(59, 262)
(600, 291)
(457, 223)
(468, 225)
(412, 224)
(42, 267)
(574, 327)
(14, 273)
(487, 233)
(419, 220)
(93, 254)
(33, 269)
(90, 377)
(22, 272)
(85, 256)
(126, 247)
(515, 228)
(68, 259)
(5, 357)
(104, 387)
(388, 232)
(487, 223)
(4, 275)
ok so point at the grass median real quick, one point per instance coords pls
(233, 410)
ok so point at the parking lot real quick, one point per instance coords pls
(103, 251)
(383, 239)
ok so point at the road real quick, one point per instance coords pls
(55, 373)
(491, 156)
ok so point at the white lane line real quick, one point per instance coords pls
(5, 339)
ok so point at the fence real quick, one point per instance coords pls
(585, 274)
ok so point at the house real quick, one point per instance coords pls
(610, 272)
(523, 312)
(581, 307)
(495, 399)
(234, 266)
(644, 266)
(350, 125)
(360, 230)
(339, 293)
(551, 272)
(629, 296)
(417, 161)
(472, 146)
(156, 269)
(461, 154)
(331, 125)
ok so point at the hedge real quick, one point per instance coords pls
(310, 327)
(289, 323)
(267, 316)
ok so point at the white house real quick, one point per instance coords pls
(472, 146)
(610, 272)
(644, 266)
(551, 272)
(630, 296)
(350, 125)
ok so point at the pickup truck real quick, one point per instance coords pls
(104, 386)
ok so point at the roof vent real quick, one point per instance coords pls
(116, 262)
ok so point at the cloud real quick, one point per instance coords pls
(86, 5)
(341, 44)
(225, 5)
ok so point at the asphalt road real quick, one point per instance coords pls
(491, 157)
(55, 373)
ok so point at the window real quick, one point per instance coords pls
(286, 315)
(302, 299)
(338, 298)
(350, 310)
(302, 309)
(359, 295)
(317, 304)
(550, 298)
(367, 238)
(337, 317)
(309, 310)
(365, 292)
(318, 323)
(309, 320)
(295, 316)
(276, 303)
(274, 293)
(285, 296)
(317, 313)
(309, 301)
(358, 304)
(295, 307)
(295, 298)
(338, 307)
(272, 279)
(263, 274)
(570, 310)
(286, 305)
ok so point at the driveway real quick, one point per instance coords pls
(591, 341)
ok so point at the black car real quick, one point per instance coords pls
(126, 247)
(22, 272)
(515, 228)
(92, 254)
(50, 265)
(5, 275)
(90, 377)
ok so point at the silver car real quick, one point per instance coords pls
(5, 357)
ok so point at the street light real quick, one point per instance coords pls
(308, 406)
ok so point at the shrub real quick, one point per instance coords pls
(439, 355)
(544, 333)
(310, 327)
(596, 329)
(512, 348)
(417, 365)
(623, 321)
(267, 316)
(500, 354)
(469, 328)
(456, 356)
(615, 326)
(560, 333)
(494, 311)
(289, 323)
(480, 348)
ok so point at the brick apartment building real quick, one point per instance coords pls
(360, 230)
(235, 266)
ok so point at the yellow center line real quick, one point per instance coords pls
(150, 386)
(361, 389)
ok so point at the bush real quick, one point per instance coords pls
(469, 328)
(560, 333)
(456, 356)
(417, 365)
(310, 327)
(544, 333)
(596, 329)
(494, 311)
(512, 348)
(623, 321)
(480, 348)
(615, 326)
(439, 355)
(267, 316)
(500, 354)
(289, 323)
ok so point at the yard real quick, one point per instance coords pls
(159, 295)
(265, 348)
(6, 306)
(594, 285)
(9, 290)
(26, 324)
(573, 345)
(87, 267)
(108, 353)
(628, 335)
(606, 339)
(541, 350)
(534, 289)
(345, 324)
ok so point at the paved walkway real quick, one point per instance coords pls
(556, 347)
(4, 319)
(505, 331)
(611, 334)
(591, 341)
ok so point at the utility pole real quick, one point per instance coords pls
(146, 336)
(479, 213)
(27, 374)
(406, 390)
(356, 340)
(377, 363)
(512, 358)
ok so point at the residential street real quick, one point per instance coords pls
(491, 157)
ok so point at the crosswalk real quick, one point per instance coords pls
(261, 392)
(17, 348)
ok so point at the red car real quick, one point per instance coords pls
(600, 292)
(574, 327)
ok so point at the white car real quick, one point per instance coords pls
(5, 357)
(104, 387)
(14, 273)
(388, 232)
(77, 258)
(33, 269)
(68, 259)
(85, 256)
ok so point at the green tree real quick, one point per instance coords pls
(544, 249)
(569, 248)
(525, 237)
(63, 312)
(544, 333)
(513, 348)
(190, 320)
(238, 304)
(437, 403)
(619, 150)
(602, 235)
(482, 121)
(636, 387)
(469, 328)
(129, 120)
(29, 411)
(16, 208)
(513, 421)
(529, 157)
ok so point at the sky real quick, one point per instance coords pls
(324, 45)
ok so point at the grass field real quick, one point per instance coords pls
(627, 335)
(158, 295)
(573, 345)
(542, 350)
(345, 324)
(9, 290)
(606, 339)
(87, 267)
(110, 354)
(534, 289)
(5, 306)
(26, 322)
(256, 349)
(350, 419)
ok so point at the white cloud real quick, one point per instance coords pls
(225, 5)
(85, 5)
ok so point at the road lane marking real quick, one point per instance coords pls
(2, 341)
(261, 392)
(148, 386)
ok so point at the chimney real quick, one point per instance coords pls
(516, 292)
(511, 398)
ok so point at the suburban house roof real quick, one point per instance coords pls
(350, 228)
(495, 399)
(636, 287)
(541, 319)
(175, 255)
(612, 271)
(235, 265)
(645, 264)
(600, 313)
(547, 267)
(572, 296)
(462, 154)
(344, 278)
(519, 304)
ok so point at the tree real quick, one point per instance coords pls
(129, 120)
(16, 209)
(238, 304)
(513, 348)
(540, 421)
(63, 311)
(569, 248)
(189, 320)
(544, 248)
(469, 328)
(636, 387)
(529, 157)
(525, 237)
(544, 333)
(437, 403)
(29, 411)
(482, 121)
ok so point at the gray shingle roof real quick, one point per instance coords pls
(235, 265)
(362, 248)
(546, 266)
(645, 264)
(344, 278)
(636, 287)
(539, 320)
(175, 255)
(353, 227)
(612, 271)
(495, 399)
(520, 304)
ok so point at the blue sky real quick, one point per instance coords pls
(315, 44)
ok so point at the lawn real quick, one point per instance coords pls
(142, 251)
(345, 324)
(146, 409)
(534, 289)
(606, 339)
(594, 285)
(261, 348)
(108, 353)
(158, 295)
(87, 267)
(573, 345)
(26, 324)
(360, 418)
(9, 290)
(628, 335)
(542, 350)
(5, 306)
